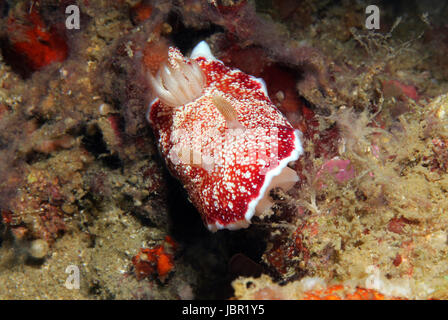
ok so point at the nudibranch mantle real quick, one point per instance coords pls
(221, 137)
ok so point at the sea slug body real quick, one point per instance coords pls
(221, 137)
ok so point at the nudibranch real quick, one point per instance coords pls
(221, 137)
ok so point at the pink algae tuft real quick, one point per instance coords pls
(340, 169)
(395, 88)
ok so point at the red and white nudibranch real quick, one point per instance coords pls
(221, 137)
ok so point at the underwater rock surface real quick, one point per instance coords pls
(83, 186)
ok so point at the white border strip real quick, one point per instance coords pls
(295, 154)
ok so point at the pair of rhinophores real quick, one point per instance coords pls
(199, 95)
